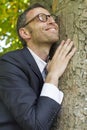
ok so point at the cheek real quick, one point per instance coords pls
(38, 31)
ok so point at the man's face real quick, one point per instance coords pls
(42, 32)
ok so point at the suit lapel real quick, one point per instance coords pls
(31, 62)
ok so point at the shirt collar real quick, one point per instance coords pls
(41, 64)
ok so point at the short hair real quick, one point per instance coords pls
(22, 20)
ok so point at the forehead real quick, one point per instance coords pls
(32, 13)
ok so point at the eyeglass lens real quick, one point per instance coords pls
(44, 17)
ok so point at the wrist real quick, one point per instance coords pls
(53, 79)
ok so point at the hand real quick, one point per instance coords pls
(60, 60)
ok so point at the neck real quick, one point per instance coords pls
(41, 51)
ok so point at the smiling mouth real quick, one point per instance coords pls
(52, 29)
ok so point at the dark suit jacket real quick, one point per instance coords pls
(21, 106)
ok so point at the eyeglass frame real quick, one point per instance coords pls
(38, 16)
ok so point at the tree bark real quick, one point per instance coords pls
(73, 24)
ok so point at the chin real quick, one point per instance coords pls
(55, 39)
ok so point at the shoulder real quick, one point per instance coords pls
(13, 54)
(16, 57)
(14, 61)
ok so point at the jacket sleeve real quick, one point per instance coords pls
(30, 112)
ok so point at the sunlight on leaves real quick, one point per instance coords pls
(9, 11)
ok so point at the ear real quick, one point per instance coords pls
(24, 33)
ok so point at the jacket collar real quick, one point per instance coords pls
(31, 62)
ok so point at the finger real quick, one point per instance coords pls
(71, 53)
(58, 50)
(64, 48)
(68, 49)
(67, 43)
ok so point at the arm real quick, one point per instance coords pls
(17, 94)
(29, 111)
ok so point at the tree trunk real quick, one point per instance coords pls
(73, 24)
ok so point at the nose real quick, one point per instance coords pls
(51, 19)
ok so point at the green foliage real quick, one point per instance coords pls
(9, 11)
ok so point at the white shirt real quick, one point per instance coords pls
(48, 90)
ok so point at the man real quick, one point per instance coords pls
(30, 100)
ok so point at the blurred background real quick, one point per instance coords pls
(9, 11)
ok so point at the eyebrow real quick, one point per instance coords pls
(30, 20)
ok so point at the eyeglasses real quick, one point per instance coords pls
(42, 17)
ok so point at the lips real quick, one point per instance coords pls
(52, 28)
